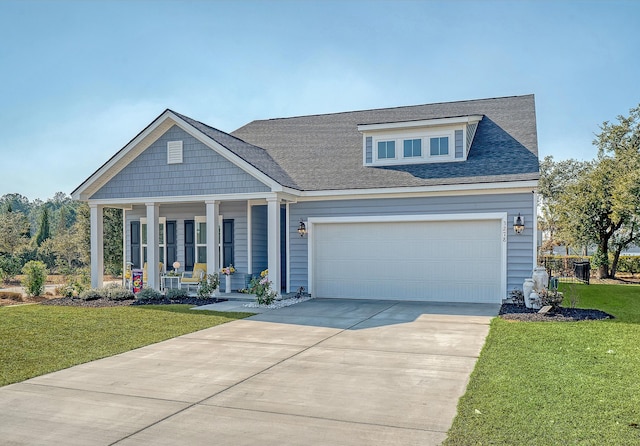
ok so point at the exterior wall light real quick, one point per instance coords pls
(302, 229)
(518, 224)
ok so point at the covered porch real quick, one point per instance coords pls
(252, 234)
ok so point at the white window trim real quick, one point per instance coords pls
(199, 219)
(162, 245)
(452, 150)
(375, 158)
(426, 157)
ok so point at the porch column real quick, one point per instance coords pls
(213, 212)
(273, 242)
(97, 245)
(153, 247)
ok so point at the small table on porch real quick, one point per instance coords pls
(169, 282)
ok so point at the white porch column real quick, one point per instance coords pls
(213, 211)
(97, 245)
(153, 247)
(273, 242)
(124, 245)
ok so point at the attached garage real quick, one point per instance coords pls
(453, 258)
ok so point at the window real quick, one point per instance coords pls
(201, 240)
(439, 146)
(161, 239)
(412, 147)
(143, 237)
(386, 149)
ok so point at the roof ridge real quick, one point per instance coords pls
(389, 108)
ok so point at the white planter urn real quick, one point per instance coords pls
(540, 278)
(527, 288)
(534, 298)
(227, 283)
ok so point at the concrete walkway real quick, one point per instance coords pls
(322, 372)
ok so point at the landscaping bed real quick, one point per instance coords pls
(561, 314)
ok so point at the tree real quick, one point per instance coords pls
(113, 241)
(43, 230)
(601, 206)
(13, 229)
(555, 177)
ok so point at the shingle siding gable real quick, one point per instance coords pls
(202, 172)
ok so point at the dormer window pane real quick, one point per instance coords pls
(439, 146)
(412, 147)
(386, 149)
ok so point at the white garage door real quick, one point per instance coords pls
(453, 261)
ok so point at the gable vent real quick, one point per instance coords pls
(174, 152)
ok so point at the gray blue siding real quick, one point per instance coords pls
(202, 172)
(260, 259)
(459, 145)
(519, 247)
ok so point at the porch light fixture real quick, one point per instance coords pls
(518, 224)
(176, 266)
(302, 229)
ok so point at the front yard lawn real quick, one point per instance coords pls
(36, 339)
(547, 383)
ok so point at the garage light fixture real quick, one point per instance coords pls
(302, 229)
(518, 224)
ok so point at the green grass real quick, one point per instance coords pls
(37, 339)
(549, 383)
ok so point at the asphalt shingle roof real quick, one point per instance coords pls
(256, 156)
(324, 152)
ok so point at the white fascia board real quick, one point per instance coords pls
(227, 154)
(422, 123)
(109, 169)
(181, 199)
(453, 189)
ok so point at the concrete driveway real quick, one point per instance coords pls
(322, 372)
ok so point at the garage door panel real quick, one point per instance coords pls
(444, 260)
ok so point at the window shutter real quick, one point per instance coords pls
(174, 152)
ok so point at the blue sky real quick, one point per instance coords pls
(79, 79)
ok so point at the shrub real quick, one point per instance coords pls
(552, 298)
(261, 287)
(177, 293)
(9, 268)
(148, 294)
(118, 293)
(35, 276)
(65, 290)
(208, 285)
(517, 297)
(11, 296)
(91, 294)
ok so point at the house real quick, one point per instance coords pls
(412, 203)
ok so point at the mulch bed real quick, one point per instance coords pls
(522, 313)
(101, 303)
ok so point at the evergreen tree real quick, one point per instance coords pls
(43, 231)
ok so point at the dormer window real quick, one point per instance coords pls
(439, 146)
(386, 150)
(443, 140)
(412, 147)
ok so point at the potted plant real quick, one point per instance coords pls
(227, 277)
